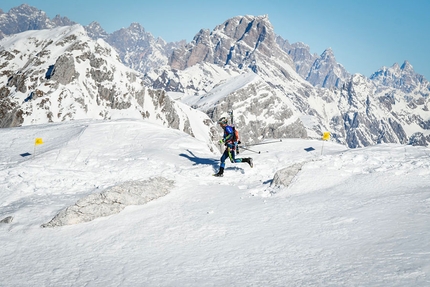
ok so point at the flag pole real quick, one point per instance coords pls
(325, 137)
(37, 141)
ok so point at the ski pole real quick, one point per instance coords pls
(265, 143)
(250, 149)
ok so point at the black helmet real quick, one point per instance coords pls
(223, 121)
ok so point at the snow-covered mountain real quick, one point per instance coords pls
(61, 74)
(137, 48)
(276, 101)
(402, 78)
(372, 116)
(240, 42)
(273, 87)
(254, 77)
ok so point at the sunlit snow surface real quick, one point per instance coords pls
(349, 217)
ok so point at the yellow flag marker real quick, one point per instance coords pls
(326, 136)
(38, 141)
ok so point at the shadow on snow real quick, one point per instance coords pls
(210, 161)
(200, 161)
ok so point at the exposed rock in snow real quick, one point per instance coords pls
(419, 139)
(7, 220)
(285, 176)
(112, 201)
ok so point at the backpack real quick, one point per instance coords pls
(236, 135)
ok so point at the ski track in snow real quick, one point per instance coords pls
(349, 217)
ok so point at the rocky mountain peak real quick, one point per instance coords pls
(95, 31)
(319, 70)
(138, 49)
(401, 77)
(133, 36)
(328, 55)
(26, 17)
(26, 9)
(326, 72)
(137, 29)
(133, 29)
(395, 67)
(62, 21)
(250, 29)
(22, 18)
(407, 67)
(301, 45)
(240, 42)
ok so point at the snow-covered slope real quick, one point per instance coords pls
(59, 74)
(348, 218)
(260, 112)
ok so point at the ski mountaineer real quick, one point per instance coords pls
(230, 141)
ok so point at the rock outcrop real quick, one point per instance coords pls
(112, 201)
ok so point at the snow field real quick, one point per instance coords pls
(348, 218)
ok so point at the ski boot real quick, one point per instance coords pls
(249, 161)
(220, 172)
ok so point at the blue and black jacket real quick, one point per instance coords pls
(229, 137)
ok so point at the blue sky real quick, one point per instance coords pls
(364, 34)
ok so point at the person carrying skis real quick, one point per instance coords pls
(230, 141)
